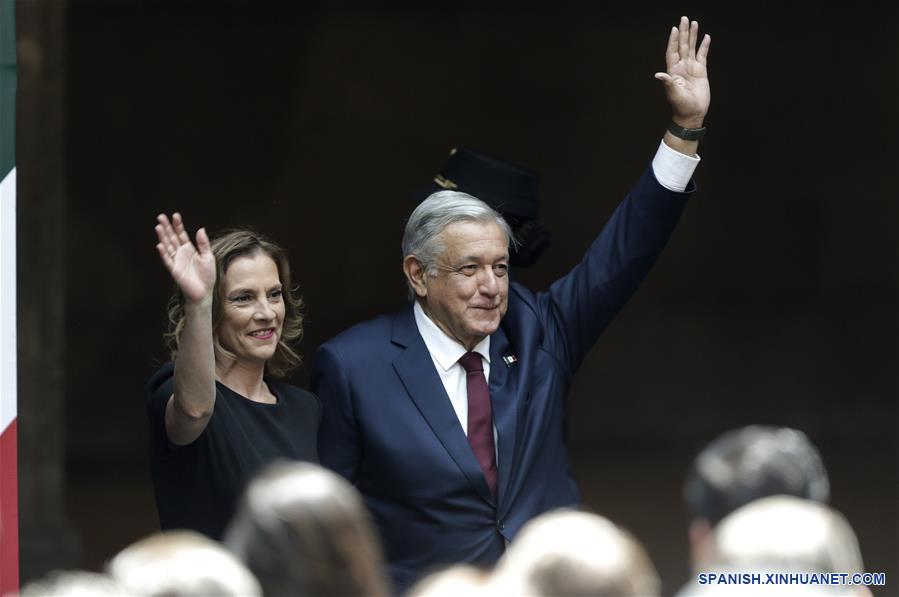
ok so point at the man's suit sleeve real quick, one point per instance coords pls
(579, 306)
(338, 440)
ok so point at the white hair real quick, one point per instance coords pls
(441, 209)
(568, 552)
(459, 579)
(787, 531)
(181, 564)
(73, 583)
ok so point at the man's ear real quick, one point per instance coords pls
(415, 274)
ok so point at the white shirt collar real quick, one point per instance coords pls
(444, 350)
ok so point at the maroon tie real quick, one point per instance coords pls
(480, 417)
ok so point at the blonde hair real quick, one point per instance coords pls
(181, 563)
(458, 579)
(226, 247)
(566, 552)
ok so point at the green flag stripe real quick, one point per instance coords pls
(7, 86)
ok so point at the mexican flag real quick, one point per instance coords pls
(9, 503)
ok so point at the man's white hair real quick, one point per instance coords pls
(441, 209)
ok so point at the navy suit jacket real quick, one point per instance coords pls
(389, 427)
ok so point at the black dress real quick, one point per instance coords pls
(198, 485)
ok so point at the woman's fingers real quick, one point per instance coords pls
(180, 232)
(162, 228)
(165, 233)
(169, 239)
(172, 236)
(164, 255)
(203, 242)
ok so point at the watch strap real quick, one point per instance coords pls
(685, 133)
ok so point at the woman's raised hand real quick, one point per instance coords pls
(192, 268)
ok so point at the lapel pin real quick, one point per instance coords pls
(510, 359)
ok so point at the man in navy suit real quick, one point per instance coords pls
(449, 416)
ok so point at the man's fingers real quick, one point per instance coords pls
(663, 77)
(703, 53)
(671, 54)
(683, 38)
(694, 34)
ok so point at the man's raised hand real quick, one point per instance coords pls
(686, 79)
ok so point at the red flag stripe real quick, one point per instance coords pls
(9, 512)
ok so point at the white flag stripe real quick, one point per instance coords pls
(7, 300)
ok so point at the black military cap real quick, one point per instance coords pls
(510, 189)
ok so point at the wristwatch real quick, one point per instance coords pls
(686, 134)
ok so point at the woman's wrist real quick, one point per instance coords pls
(198, 307)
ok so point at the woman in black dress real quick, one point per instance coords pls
(217, 413)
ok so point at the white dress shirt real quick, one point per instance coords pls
(446, 352)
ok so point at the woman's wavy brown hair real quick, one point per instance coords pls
(226, 247)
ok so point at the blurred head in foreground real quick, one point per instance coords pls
(568, 553)
(783, 535)
(73, 583)
(181, 564)
(304, 530)
(746, 464)
(789, 531)
(456, 580)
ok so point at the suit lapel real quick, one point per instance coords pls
(503, 397)
(416, 370)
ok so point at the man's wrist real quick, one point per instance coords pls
(679, 145)
(688, 122)
(686, 133)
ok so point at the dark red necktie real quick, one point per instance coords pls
(480, 417)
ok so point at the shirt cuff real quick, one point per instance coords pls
(673, 169)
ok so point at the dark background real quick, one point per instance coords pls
(775, 301)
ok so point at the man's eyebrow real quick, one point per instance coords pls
(479, 258)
